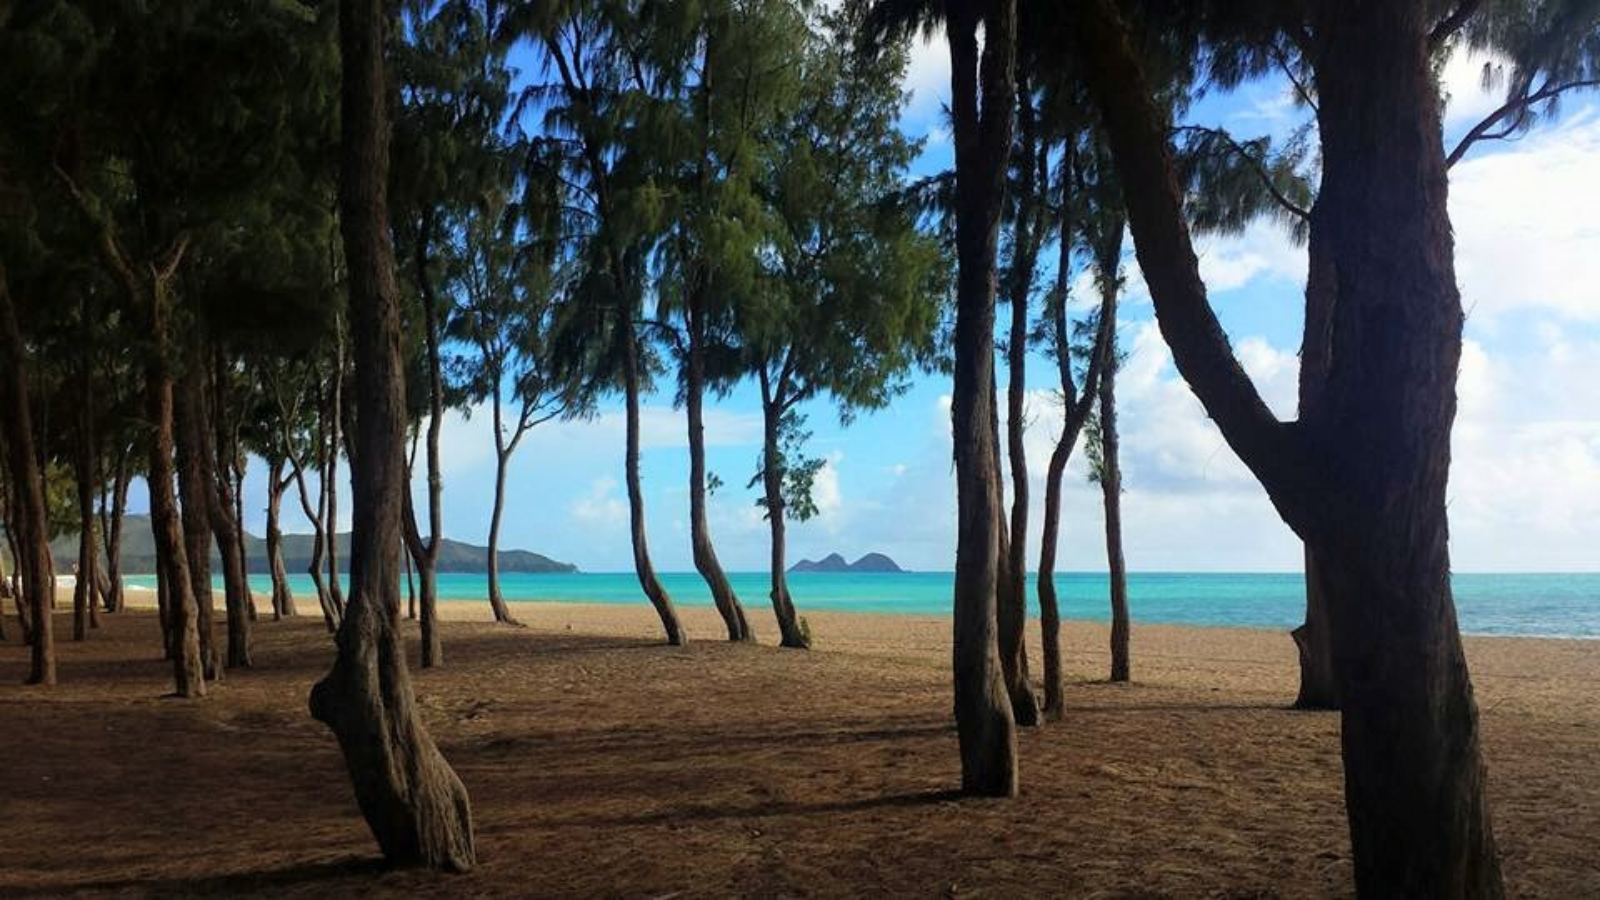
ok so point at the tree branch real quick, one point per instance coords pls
(1518, 107)
(1137, 132)
(1452, 23)
(1256, 165)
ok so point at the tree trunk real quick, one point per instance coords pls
(183, 608)
(1319, 688)
(1111, 490)
(497, 602)
(111, 535)
(772, 465)
(411, 583)
(1011, 604)
(705, 555)
(282, 595)
(642, 566)
(984, 722)
(227, 530)
(427, 559)
(415, 805)
(27, 494)
(193, 471)
(85, 613)
(331, 485)
(1363, 476)
(330, 616)
(427, 555)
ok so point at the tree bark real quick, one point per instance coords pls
(1111, 491)
(27, 494)
(84, 609)
(331, 481)
(427, 554)
(193, 473)
(705, 555)
(1319, 689)
(790, 633)
(282, 596)
(424, 554)
(502, 462)
(1011, 599)
(1363, 478)
(984, 722)
(648, 582)
(227, 531)
(111, 534)
(417, 808)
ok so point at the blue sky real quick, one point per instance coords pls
(1525, 490)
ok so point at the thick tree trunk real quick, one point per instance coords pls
(415, 805)
(1111, 490)
(1319, 688)
(984, 722)
(648, 582)
(193, 471)
(705, 555)
(790, 633)
(1362, 477)
(27, 493)
(282, 595)
(1414, 773)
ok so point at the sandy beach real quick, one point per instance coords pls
(601, 763)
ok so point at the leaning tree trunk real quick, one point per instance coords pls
(27, 493)
(497, 601)
(426, 556)
(642, 566)
(193, 471)
(330, 616)
(415, 805)
(1011, 599)
(1111, 491)
(282, 595)
(984, 723)
(1363, 476)
(789, 630)
(705, 555)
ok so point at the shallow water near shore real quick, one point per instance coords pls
(1528, 605)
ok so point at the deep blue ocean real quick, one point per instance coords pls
(1540, 605)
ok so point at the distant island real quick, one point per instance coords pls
(833, 562)
(139, 554)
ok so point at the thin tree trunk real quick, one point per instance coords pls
(984, 722)
(314, 514)
(111, 534)
(705, 555)
(772, 466)
(427, 554)
(1011, 610)
(85, 613)
(169, 634)
(415, 805)
(642, 566)
(27, 493)
(193, 470)
(426, 558)
(1111, 490)
(331, 482)
(227, 529)
(282, 594)
(411, 584)
(502, 461)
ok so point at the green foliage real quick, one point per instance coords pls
(796, 472)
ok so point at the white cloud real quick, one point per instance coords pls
(602, 505)
(1527, 236)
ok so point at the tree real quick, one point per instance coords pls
(983, 98)
(593, 107)
(415, 805)
(1361, 475)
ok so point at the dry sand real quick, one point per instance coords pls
(601, 763)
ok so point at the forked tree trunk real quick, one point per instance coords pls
(705, 555)
(182, 613)
(282, 595)
(424, 554)
(984, 723)
(1362, 477)
(789, 631)
(643, 568)
(415, 805)
(27, 493)
(193, 470)
(314, 514)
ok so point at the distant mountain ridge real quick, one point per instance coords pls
(139, 554)
(833, 562)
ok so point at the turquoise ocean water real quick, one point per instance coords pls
(1541, 605)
